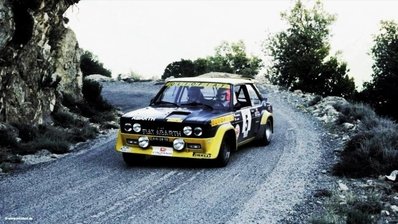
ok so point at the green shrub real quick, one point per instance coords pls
(355, 216)
(82, 134)
(350, 209)
(8, 137)
(55, 140)
(89, 64)
(370, 206)
(372, 151)
(27, 132)
(66, 120)
(69, 101)
(359, 210)
(91, 90)
(92, 93)
(103, 117)
(351, 113)
(57, 146)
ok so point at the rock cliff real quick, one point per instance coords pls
(39, 59)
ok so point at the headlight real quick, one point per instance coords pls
(143, 141)
(137, 127)
(178, 144)
(187, 130)
(197, 131)
(127, 127)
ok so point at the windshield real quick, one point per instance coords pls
(210, 95)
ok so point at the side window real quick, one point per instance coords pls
(241, 95)
(243, 99)
(254, 98)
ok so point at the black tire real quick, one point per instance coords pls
(133, 159)
(224, 154)
(267, 134)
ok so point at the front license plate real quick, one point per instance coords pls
(125, 149)
(162, 151)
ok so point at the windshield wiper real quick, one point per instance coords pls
(197, 104)
(166, 103)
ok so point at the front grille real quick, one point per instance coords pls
(161, 143)
(166, 129)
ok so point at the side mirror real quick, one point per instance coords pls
(237, 106)
(268, 106)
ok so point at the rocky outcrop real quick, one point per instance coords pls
(39, 59)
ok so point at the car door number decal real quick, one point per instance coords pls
(247, 122)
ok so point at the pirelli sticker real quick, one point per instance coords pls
(202, 155)
(222, 120)
(198, 84)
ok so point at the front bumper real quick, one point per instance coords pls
(209, 147)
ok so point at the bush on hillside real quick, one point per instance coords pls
(352, 113)
(372, 151)
(92, 94)
(89, 64)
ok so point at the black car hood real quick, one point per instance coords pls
(176, 114)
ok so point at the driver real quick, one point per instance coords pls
(224, 97)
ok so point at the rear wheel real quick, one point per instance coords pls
(224, 154)
(133, 159)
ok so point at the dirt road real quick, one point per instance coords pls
(93, 185)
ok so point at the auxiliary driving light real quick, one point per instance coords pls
(143, 141)
(187, 130)
(198, 131)
(127, 127)
(137, 127)
(178, 144)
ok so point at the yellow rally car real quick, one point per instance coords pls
(199, 118)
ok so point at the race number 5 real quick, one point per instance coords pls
(247, 122)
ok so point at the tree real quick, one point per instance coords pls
(89, 64)
(381, 92)
(300, 55)
(229, 57)
(182, 68)
(232, 58)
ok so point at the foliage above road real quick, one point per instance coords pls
(229, 58)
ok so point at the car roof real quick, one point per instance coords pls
(232, 81)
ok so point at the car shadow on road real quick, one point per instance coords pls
(183, 163)
(166, 162)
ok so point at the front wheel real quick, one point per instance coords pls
(267, 134)
(224, 154)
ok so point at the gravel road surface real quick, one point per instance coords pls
(93, 185)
